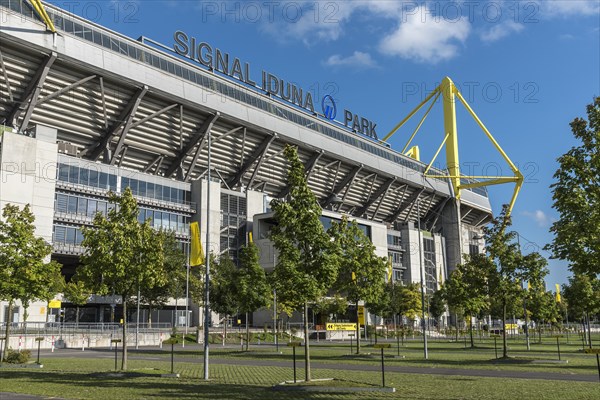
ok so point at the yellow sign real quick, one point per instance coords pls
(361, 315)
(196, 252)
(331, 326)
(54, 304)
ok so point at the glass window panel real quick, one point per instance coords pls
(142, 188)
(103, 180)
(72, 205)
(91, 208)
(157, 219)
(63, 172)
(166, 193)
(82, 205)
(150, 189)
(61, 202)
(141, 215)
(74, 174)
(78, 236)
(112, 182)
(70, 235)
(59, 234)
(84, 176)
(101, 207)
(93, 178)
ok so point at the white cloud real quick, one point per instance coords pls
(358, 59)
(501, 30)
(540, 217)
(424, 38)
(321, 21)
(565, 8)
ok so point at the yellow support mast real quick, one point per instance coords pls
(39, 8)
(450, 93)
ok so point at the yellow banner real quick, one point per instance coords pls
(361, 315)
(389, 271)
(331, 326)
(196, 250)
(54, 304)
(558, 298)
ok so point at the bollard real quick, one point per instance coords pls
(82, 343)
(160, 343)
(20, 343)
(116, 342)
(52, 348)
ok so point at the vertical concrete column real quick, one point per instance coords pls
(452, 228)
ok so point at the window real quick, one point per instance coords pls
(61, 203)
(82, 204)
(72, 205)
(63, 172)
(74, 174)
(91, 208)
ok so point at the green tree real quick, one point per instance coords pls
(25, 273)
(361, 274)
(121, 255)
(505, 270)
(437, 306)
(253, 291)
(539, 303)
(583, 298)
(306, 265)
(405, 301)
(224, 288)
(77, 293)
(174, 271)
(576, 195)
(466, 289)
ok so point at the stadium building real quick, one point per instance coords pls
(87, 110)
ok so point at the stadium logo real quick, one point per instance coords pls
(329, 108)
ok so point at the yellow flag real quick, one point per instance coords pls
(250, 237)
(389, 271)
(196, 251)
(558, 299)
(353, 277)
(528, 285)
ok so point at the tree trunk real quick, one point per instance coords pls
(247, 333)
(8, 322)
(124, 349)
(456, 325)
(504, 345)
(306, 345)
(357, 331)
(471, 331)
(589, 329)
(149, 315)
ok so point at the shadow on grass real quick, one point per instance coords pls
(148, 387)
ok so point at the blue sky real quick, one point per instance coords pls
(527, 68)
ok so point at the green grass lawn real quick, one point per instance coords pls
(441, 354)
(91, 379)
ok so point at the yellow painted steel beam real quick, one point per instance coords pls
(413, 112)
(450, 93)
(436, 154)
(39, 8)
(487, 132)
(421, 122)
(452, 160)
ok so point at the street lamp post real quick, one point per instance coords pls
(425, 353)
(207, 263)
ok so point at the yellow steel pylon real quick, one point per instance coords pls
(39, 8)
(449, 93)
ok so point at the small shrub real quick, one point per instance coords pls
(15, 357)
